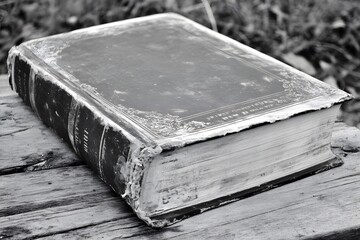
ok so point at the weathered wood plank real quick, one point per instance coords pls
(326, 204)
(24, 192)
(92, 210)
(48, 202)
(26, 143)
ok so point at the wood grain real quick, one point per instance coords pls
(68, 201)
(24, 192)
(47, 202)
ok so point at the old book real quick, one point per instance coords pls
(176, 118)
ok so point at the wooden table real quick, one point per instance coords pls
(47, 192)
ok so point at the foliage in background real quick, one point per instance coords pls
(319, 37)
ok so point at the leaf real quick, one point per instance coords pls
(280, 15)
(353, 91)
(319, 29)
(353, 42)
(338, 23)
(331, 81)
(299, 62)
(324, 65)
(30, 9)
(72, 20)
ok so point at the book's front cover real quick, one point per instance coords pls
(175, 79)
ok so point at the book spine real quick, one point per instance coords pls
(92, 139)
(115, 155)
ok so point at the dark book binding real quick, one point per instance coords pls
(70, 119)
(119, 114)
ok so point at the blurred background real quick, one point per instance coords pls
(319, 37)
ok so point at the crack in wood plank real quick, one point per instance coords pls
(12, 231)
(343, 177)
(51, 159)
(351, 233)
(14, 132)
(80, 228)
(94, 197)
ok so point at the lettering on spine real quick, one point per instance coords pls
(88, 132)
(85, 140)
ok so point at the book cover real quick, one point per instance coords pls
(122, 93)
